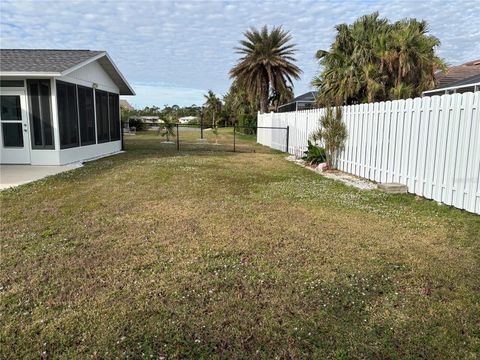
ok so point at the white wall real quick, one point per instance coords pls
(430, 144)
(81, 153)
(89, 74)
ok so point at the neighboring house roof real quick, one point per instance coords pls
(125, 104)
(308, 96)
(455, 74)
(475, 79)
(34, 62)
(307, 99)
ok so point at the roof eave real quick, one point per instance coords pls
(128, 88)
(451, 88)
(29, 74)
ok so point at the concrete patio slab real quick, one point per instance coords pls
(15, 175)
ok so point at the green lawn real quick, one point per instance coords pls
(206, 253)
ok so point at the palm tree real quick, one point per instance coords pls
(213, 105)
(277, 98)
(373, 60)
(167, 129)
(267, 63)
(237, 103)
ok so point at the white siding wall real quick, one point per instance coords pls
(430, 144)
(89, 74)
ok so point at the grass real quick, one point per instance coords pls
(206, 253)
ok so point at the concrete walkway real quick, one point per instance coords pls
(14, 175)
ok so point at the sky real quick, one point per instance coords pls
(173, 52)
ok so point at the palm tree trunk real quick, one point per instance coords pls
(264, 96)
(399, 74)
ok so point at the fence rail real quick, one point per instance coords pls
(430, 144)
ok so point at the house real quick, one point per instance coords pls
(457, 79)
(187, 119)
(59, 106)
(124, 104)
(302, 102)
(149, 121)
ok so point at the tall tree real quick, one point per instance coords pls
(213, 106)
(374, 60)
(267, 63)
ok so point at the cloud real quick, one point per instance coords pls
(160, 94)
(187, 46)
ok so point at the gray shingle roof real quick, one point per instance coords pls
(37, 60)
(308, 96)
(458, 73)
(58, 61)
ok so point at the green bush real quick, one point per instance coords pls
(333, 133)
(314, 154)
(138, 124)
(167, 129)
(247, 124)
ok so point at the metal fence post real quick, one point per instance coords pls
(288, 136)
(178, 139)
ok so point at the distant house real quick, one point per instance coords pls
(302, 102)
(149, 121)
(187, 119)
(59, 106)
(457, 79)
(124, 104)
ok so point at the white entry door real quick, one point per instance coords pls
(14, 134)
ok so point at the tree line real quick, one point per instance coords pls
(370, 60)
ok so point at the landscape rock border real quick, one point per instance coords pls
(347, 179)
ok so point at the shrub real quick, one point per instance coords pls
(247, 124)
(314, 154)
(332, 133)
(137, 123)
(167, 129)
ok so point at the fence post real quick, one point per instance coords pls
(178, 139)
(288, 136)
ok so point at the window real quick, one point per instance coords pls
(67, 114)
(12, 134)
(86, 114)
(11, 109)
(11, 116)
(103, 130)
(77, 107)
(40, 114)
(114, 117)
(11, 83)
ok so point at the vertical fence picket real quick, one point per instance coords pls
(473, 163)
(384, 119)
(460, 180)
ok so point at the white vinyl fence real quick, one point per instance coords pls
(430, 144)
